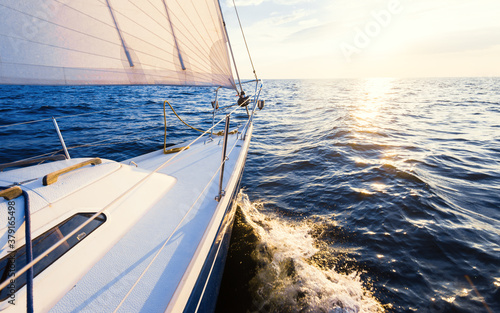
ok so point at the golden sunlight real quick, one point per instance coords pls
(371, 101)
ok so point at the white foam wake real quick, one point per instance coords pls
(288, 281)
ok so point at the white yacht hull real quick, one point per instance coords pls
(163, 244)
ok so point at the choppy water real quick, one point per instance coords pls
(360, 195)
(371, 194)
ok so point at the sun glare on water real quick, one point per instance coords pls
(372, 100)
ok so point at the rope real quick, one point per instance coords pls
(68, 236)
(174, 231)
(29, 253)
(221, 133)
(99, 143)
(165, 122)
(30, 262)
(244, 39)
(180, 119)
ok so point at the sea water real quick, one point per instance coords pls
(360, 195)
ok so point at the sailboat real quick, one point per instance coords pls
(148, 234)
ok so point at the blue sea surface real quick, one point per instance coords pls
(359, 195)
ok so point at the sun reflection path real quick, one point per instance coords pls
(372, 100)
(367, 112)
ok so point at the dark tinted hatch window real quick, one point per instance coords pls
(17, 259)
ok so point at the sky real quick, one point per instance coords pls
(366, 38)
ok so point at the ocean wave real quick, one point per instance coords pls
(290, 276)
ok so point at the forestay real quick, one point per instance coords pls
(99, 42)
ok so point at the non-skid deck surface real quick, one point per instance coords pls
(175, 224)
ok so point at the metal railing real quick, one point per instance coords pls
(255, 98)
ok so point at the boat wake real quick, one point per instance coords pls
(289, 277)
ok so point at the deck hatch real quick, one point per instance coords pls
(41, 244)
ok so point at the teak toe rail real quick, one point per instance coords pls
(52, 177)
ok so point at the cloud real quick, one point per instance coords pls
(293, 17)
(242, 3)
(291, 2)
(279, 25)
(459, 41)
(321, 31)
(301, 38)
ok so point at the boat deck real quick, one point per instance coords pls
(148, 267)
(161, 223)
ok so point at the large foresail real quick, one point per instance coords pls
(100, 42)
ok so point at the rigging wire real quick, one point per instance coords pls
(30, 265)
(136, 185)
(244, 39)
(230, 49)
(73, 115)
(95, 144)
(178, 225)
(102, 142)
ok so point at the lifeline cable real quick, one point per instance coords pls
(64, 239)
(174, 231)
(73, 115)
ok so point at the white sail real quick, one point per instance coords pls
(100, 42)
